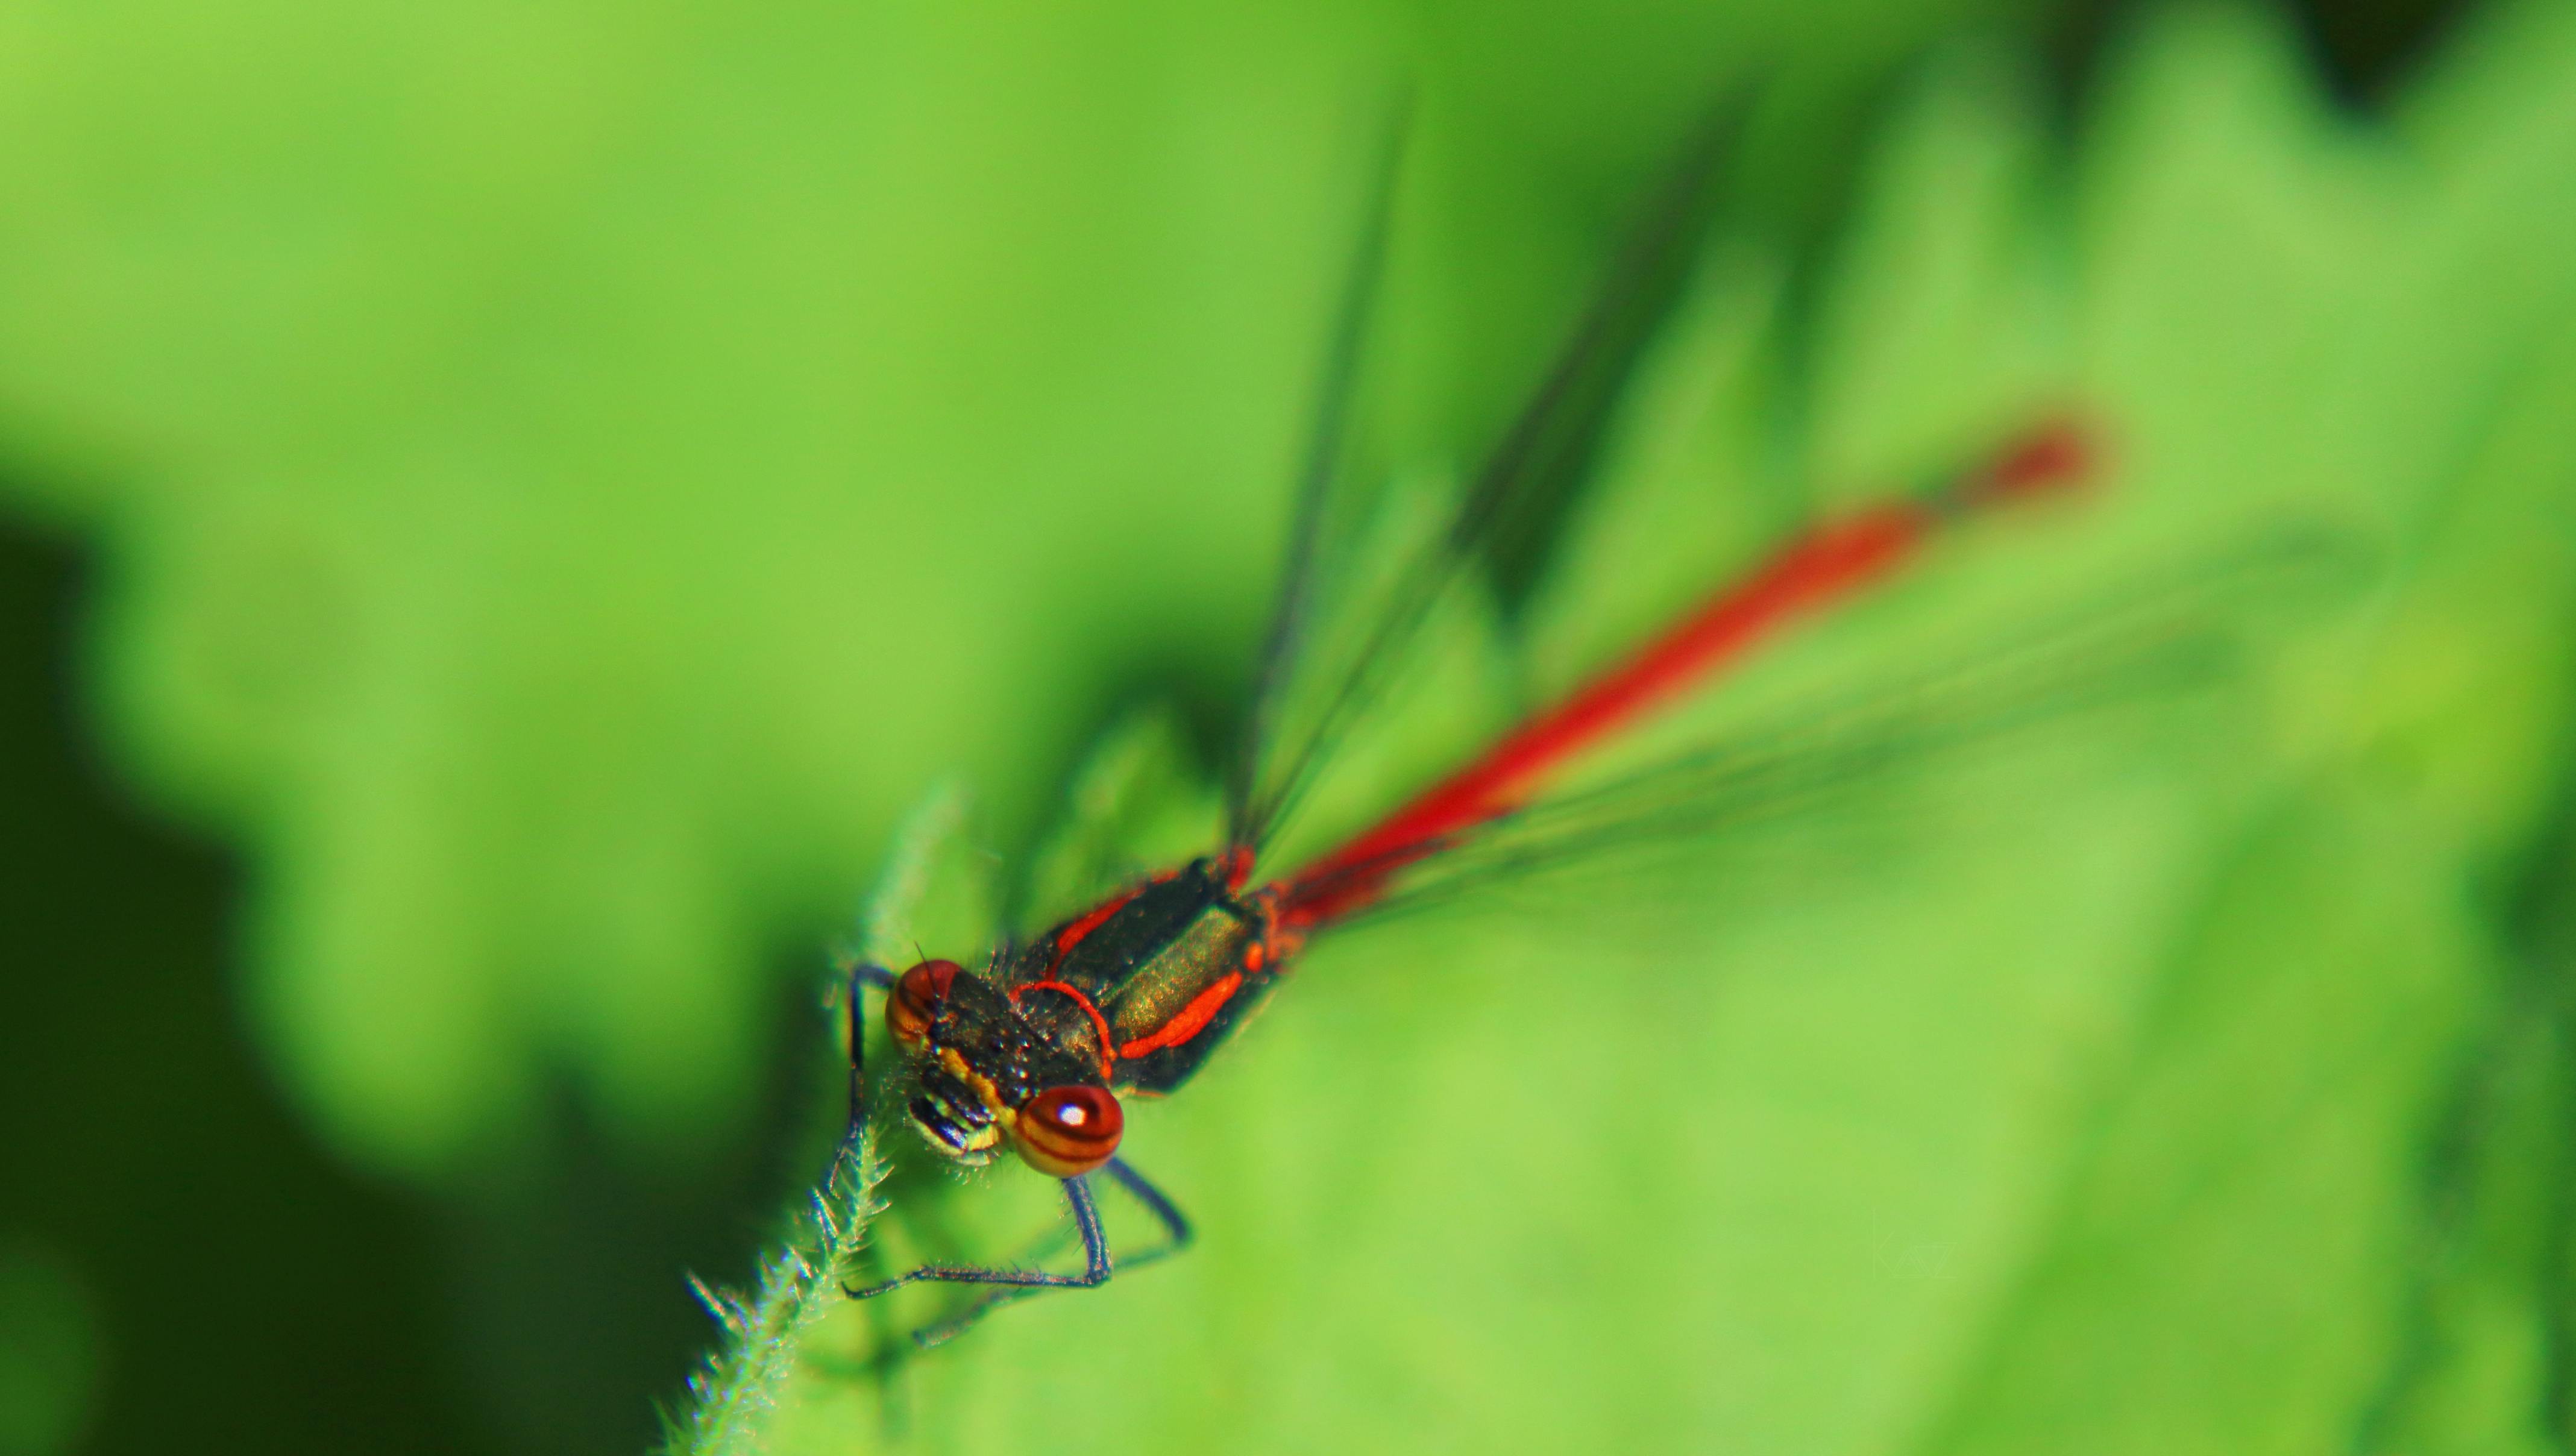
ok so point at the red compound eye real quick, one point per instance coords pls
(1065, 1132)
(915, 1002)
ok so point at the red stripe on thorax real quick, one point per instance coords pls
(1072, 935)
(1098, 1021)
(1191, 1020)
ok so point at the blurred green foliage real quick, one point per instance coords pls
(49, 1351)
(571, 473)
(570, 477)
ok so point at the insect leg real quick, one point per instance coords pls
(862, 973)
(1177, 1232)
(1010, 1284)
(1176, 1225)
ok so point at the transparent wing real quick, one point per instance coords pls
(1334, 642)
(2154, 643)
(1315, 528)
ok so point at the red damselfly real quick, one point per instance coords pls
(1034, 1050)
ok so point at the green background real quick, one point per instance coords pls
(510, 505)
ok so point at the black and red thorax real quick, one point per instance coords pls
(1131, 995)
(1151, 980)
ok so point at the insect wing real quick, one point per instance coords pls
(1345, 623)
(1326, 508)
(2157, 643)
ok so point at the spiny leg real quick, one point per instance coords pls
(1176, 1225)
(862, 973)
(1007, 1284)
(1096, 1257)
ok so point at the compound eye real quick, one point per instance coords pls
(915, 1002)
(1065, 1132)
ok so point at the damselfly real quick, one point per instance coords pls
(1034, 1050)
